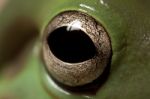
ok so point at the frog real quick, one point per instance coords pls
(22, 69)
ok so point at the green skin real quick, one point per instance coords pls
(21, 67)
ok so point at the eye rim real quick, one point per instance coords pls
(97, 25)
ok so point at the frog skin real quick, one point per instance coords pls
(22, 23)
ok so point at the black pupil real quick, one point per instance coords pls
(71, 46)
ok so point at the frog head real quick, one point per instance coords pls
(24, 69)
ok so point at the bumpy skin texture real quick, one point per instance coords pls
(127, 22)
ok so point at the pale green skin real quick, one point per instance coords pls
(128, 25)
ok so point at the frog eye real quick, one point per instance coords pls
(76, 48)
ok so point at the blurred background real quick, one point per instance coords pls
(2, 4)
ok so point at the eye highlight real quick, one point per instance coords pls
(76, 48)
(72, 46)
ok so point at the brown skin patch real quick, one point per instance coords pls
(13, 45)
(15, 66)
